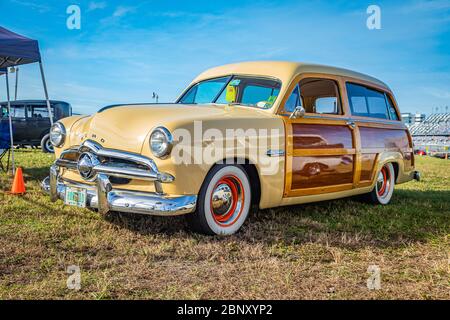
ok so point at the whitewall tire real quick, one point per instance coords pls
(384, 185)
(224, 201)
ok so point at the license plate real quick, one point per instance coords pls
(76, 197)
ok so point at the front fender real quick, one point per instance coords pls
(199, 145)
(68, 123)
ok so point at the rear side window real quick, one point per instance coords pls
(366, 102)
(392, 111)
(377, 104)
(39, 112)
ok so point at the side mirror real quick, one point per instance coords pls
(298, 112)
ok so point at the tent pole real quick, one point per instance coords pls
(17, 82)
(13, 167)
(46, 93)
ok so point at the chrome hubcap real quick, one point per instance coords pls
(227, 200)
(380, 181)
(49, 145)
(222, 199)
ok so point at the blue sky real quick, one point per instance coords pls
(125, 50)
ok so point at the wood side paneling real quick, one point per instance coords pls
(321, 171)
(367, 166)
(314, 136)
(383, 138)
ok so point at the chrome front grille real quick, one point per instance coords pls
(112, 163)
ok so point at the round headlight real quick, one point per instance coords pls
(57, 134)
(161, 142)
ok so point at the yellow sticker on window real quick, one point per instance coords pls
(270, 102)
(231, 94)
(272, 99)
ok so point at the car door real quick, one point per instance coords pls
(379, 128)
(321, 150)
(19, 123)
(39, 121)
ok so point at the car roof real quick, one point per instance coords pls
(284, 71)
(32, 102)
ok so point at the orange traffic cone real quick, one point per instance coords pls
(18, 186)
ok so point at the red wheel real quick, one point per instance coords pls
(382, 182)
(227, 200)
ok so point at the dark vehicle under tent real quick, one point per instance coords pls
(31, 121)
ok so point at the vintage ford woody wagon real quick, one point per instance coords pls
(257, 133)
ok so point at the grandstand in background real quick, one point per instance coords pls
(432, 134)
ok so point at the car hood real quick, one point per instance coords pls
(127, 127)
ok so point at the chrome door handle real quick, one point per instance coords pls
(351, 124)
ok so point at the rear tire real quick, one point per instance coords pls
(224, 201)
(384, 186)
(46, 145)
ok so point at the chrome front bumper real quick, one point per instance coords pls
(101, 194)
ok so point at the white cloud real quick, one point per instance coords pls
(426, 5)
(35, 6)
(438, 93)
(93, 5)
(122, 11)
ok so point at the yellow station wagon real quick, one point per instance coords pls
(266, 134)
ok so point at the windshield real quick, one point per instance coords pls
(244, 90)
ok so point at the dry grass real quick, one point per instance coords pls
(317, 251)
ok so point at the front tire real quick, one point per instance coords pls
(384, 185)
(46, 145)
(224, 201)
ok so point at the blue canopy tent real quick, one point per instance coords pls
(17, 50)
(5, 142)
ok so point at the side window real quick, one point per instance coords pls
(18, 111)
(40, 112)
(320, 96)
(293, 100)
(4, 111)
(253, 94)
(326, 105)
(61, 110)
(377, 104)
(392, 112)
(367, 102)
(357, 99)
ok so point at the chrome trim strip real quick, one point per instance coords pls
(275, 153)
(344, 118)
(74, 150)
(123, 155)
(89, 145)
(122, 172)
(66, 164)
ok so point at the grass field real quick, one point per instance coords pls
(317, 251)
